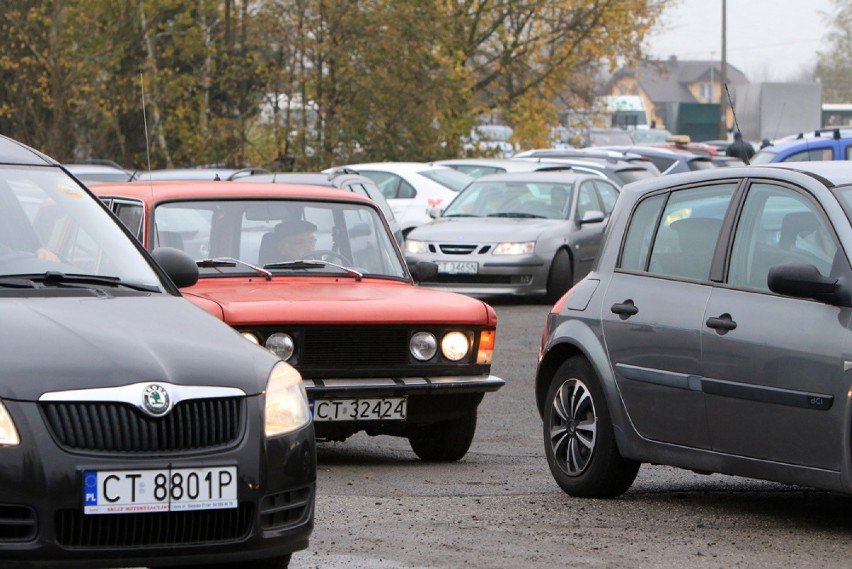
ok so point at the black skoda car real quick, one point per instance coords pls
(135, 428)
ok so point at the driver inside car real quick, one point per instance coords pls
(294, 239)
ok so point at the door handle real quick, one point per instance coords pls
(722, 324)
(625, 309)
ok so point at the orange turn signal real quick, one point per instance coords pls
(486, 347)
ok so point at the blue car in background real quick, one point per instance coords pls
(824, 144)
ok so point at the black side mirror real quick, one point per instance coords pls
(802, 281)
(424, 271)
(180, 267)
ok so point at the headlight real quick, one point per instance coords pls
(455, 346)
(416, 246)
(524, 248)
(286, 401)
(282, 345)
(250, 337)
(8, 432)
(423, 346)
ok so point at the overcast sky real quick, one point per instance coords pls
(768, 40)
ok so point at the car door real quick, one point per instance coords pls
(774, 374)
(654, 309)
(586, 236)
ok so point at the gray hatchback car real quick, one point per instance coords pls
(713, 334)
(529, 233)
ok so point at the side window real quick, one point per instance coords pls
(406, 190)
(131, 214)
(849, 153)
(811, 155)
(608, 195)
(778, 225)
(587, 199)
(688, 231)
(388, 183)
(637, 243)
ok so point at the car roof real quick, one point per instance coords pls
(560, 176)
(392, 166)
(206, 173)
(203, 189)
(14, 152)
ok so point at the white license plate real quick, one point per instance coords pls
(384, 409)
(458, 267)
(175, 489)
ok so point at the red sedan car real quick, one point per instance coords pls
(315, 275)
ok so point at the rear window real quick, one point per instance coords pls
(628, 175)
(448, 177)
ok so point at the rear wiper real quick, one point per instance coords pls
(313, 263)
(231, 262)
(56, 278)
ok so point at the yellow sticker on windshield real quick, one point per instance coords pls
(69, 190)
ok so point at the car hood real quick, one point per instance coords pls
(54, 344)
(484, 229)
(299, 300)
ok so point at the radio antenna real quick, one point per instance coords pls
(145, 120)
(734, 113)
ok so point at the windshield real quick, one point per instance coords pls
(765, 156)
(512, 199)
(448, 177)
(272, 233)
(48, 223)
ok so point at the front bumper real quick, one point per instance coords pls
(525, 276)
(42, 523)
(400, 386)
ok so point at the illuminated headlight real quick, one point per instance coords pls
(286, 401)
(524, 248)
(416, 246)
(250, 337)
(423, 346)
(455, 346)
(8, 432)
(282, 345)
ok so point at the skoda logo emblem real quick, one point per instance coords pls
(156, 400)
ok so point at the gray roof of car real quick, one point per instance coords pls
(550, 177)
(14, 152)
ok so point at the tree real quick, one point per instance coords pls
(834, 65)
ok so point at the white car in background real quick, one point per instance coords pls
(413, 188)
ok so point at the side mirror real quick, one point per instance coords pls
(424, 270)
(802, 281)
(593, 216)
(179, 266)
(435, 212)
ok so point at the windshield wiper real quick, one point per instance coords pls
(459, 215)
(231, 262)
(56, 278)
(313, 263)
(516, 214)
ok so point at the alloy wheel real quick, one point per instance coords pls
(573, 427)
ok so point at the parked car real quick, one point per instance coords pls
(413, 188)
(521, 234)
(490, 140)
(614, 161)
(824, 144)
(711, 335)
(669, 160)
(99, 172)
(376, 353)
(200, 173)
(477, 167)
(342, 179)
(620, 171)
(134, 428)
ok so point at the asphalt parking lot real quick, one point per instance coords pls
(379, 507)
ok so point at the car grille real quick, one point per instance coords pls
(17, 523)
(278, 511)
(75, 529)
(119, 427)
(351, 348)
(449, 249)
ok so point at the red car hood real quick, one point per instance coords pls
(252, 301)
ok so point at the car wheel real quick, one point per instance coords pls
(446, 441)
(579, 440)
(561, 276)
(281, 562)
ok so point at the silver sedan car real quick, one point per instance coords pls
(530, 233)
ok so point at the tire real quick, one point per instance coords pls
(579, 439)
(272, 563)
(446, 441)
(561, 276)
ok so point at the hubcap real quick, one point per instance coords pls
(573, 427)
